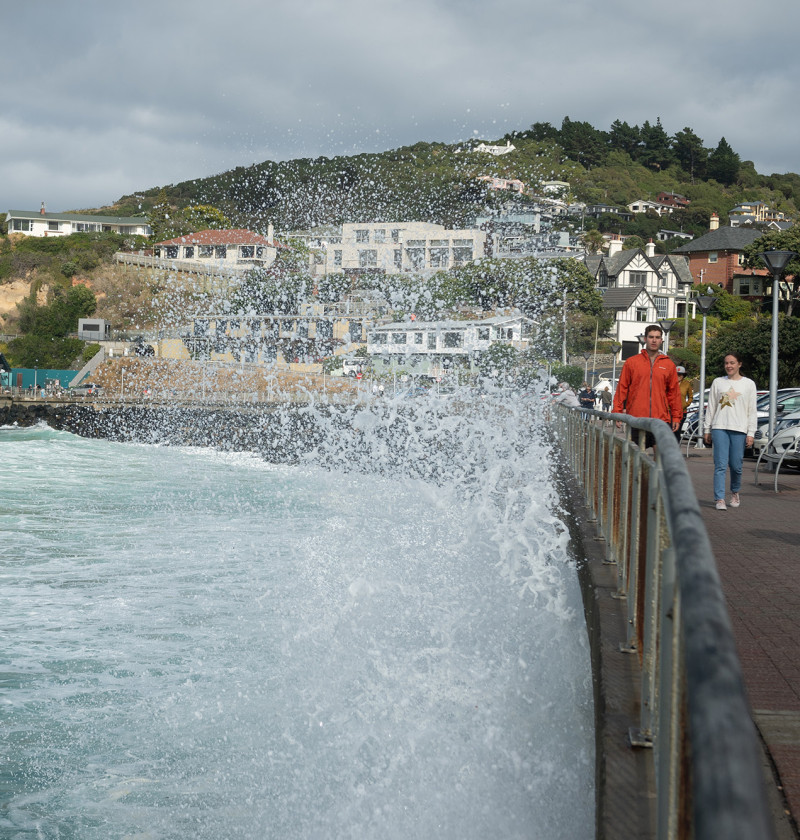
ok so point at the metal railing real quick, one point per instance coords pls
(694, 710)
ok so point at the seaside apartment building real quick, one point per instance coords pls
(395, 247)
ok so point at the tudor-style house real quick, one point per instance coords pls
(640, 288)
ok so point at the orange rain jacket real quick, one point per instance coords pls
(646, 390)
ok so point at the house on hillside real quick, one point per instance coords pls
(41, 223)
(639, 287)
(512, 184)
(295, 341)
(671, 199)
(435, 348)
(495, 150)
(394, 247)
(220, 249)
(718, 257)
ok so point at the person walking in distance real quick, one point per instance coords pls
(729, 425)
(687, 395)
(648, 386)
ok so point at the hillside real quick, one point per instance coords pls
(439, 183)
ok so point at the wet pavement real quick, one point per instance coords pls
(757, 550)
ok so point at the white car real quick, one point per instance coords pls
(785, 421)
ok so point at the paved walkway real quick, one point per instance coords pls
(757, 549)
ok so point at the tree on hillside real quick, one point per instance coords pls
(723, 164)
(690, 153)
(45, 329)
(160, 217)
(656, 151)
(753, 339)
(625, 138)
(204, 217)
(594, 241)
(583, 143)
(779, 240)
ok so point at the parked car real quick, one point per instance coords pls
(787, 439)
(788, 400)
(785, 420)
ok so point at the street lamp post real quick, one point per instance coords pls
(687, 287)
(586, 357)
(775, 261)
(704, 303)
(666, 325)
(615, 348)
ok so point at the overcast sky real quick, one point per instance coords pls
(100, 99)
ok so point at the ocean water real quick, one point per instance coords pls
(199, 644)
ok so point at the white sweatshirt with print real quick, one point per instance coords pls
(731, 405)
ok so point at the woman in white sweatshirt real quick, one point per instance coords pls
(730, 423)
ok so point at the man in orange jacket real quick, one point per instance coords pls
(648, 385)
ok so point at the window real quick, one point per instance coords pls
(712, 256)
(661, 306)
(337, 257)
(398, 257)
(380, 235)
(399, 338)
(362, 236)
(417, 337)
(221, 252)
(440, 257)
(638, 278)
(432, 341)
(247, 252)
(416, 256)
(23, 224)
(172, 252)
(396, 235)
(454, 339)
(52, 225)
(741, 259)
(462, 250)
(483, 333)
(156, 252)
(318, 258)
(206, 251)
(439, 243)
(641, 313)
(355, 330)
(378, 338)
(367, 259)
(188, 252)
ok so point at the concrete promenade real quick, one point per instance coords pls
(757, 550)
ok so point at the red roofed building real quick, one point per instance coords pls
(220, 248)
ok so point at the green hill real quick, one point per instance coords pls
(439, 183)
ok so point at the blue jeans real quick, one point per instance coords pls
(728, 452)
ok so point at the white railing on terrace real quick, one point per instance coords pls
(694, 711)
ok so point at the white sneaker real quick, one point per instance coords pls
(721, 504)
(734, 502)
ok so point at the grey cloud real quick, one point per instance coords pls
(108, 99)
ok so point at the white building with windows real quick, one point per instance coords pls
(41, 223)
(435, 347)
(220, 249)
(396, 247)
(640, 288)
